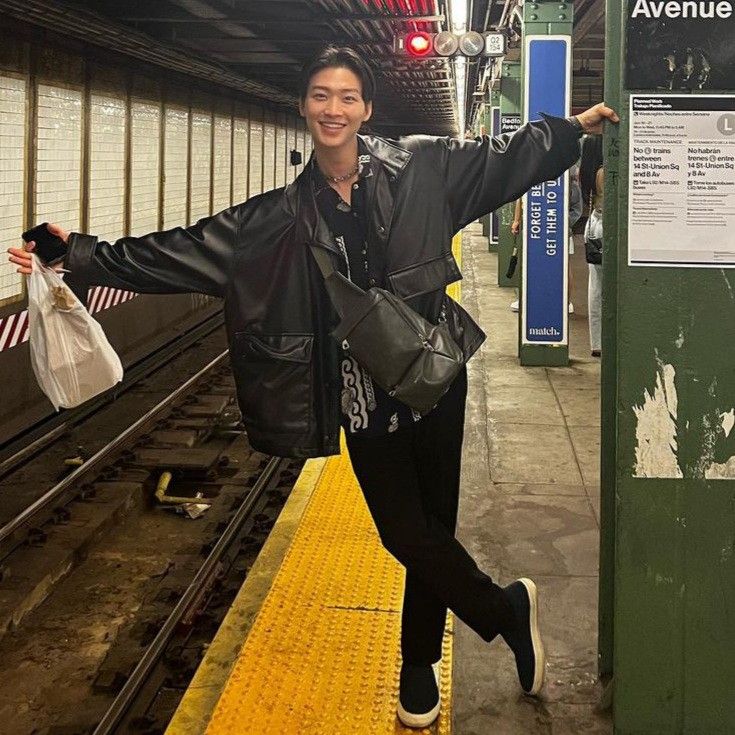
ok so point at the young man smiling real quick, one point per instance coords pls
(386, 212)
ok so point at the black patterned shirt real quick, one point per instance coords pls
(366, 408)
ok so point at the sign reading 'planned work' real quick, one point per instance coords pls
(681, 206)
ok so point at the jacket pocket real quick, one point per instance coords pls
(425, 277)
(274, 380)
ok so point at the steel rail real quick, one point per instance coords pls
(157, 647)
(26, 516)
(52, 427)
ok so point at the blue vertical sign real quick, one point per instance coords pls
(548, 74)
(494, 219)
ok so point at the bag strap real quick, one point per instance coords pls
(322, 260)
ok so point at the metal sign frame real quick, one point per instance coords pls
(544, 306)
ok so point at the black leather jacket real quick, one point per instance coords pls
(255, 255)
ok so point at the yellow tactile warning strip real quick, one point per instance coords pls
(322, 656)
(195, 709)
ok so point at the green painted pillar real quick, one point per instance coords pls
(491, 222)
(510, 120)
(485, 128)
(668, 387)
(543, 320)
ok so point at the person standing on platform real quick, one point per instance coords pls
(592, 178)
(385, 211)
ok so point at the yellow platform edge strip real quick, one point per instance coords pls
(317, 651)
(195, 709)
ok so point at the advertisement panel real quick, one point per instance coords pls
(544, 291)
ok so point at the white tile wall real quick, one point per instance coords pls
(240, 162)
(59, 156)
(201, 143)
(107, 167)
(174, 167)
(281, 143)
(145, 162)
(256, 155)
(12, 138)
(222, 161)
(269, 155)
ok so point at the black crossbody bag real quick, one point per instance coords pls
(407, 356)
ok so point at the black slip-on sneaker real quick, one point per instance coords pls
(524, 638)
(418, 700)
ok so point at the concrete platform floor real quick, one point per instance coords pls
(530, 507)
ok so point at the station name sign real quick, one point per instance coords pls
(722, 9)
(510, 122)
(680, 45)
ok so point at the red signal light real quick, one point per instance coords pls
(419, 43)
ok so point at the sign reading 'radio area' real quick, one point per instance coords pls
(680, 45)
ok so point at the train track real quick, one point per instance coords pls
(22, 448)
(14, 533)
(200, 586)
(193, 438)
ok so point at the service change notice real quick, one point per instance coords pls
(682, 181)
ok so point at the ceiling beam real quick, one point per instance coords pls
(312, 20)
(588, 21)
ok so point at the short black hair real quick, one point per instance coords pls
(338, 57)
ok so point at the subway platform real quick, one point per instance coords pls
(311, 643)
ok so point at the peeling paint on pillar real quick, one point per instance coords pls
(655, 452)
(687, 381)
(723, 470)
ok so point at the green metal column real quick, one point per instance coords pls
(608, 372)
(668, 463)
(485, 128)
(491, 221)
(510, 113)
(542, 19)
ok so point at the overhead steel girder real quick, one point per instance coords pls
(314, 21)
(93, 28)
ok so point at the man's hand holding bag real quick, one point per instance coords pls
(70, 354)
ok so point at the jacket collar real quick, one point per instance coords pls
(310, 225)
(388, 153)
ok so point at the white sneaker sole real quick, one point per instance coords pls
(409, 719)
(538, 646)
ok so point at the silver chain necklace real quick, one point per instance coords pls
(338, 179)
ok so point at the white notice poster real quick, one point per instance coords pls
(681, 206)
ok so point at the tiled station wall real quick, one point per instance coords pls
(110, 159)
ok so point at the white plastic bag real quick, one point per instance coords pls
(70, 354)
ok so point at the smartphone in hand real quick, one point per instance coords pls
(49, 248)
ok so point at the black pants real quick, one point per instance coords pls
(410, 480)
